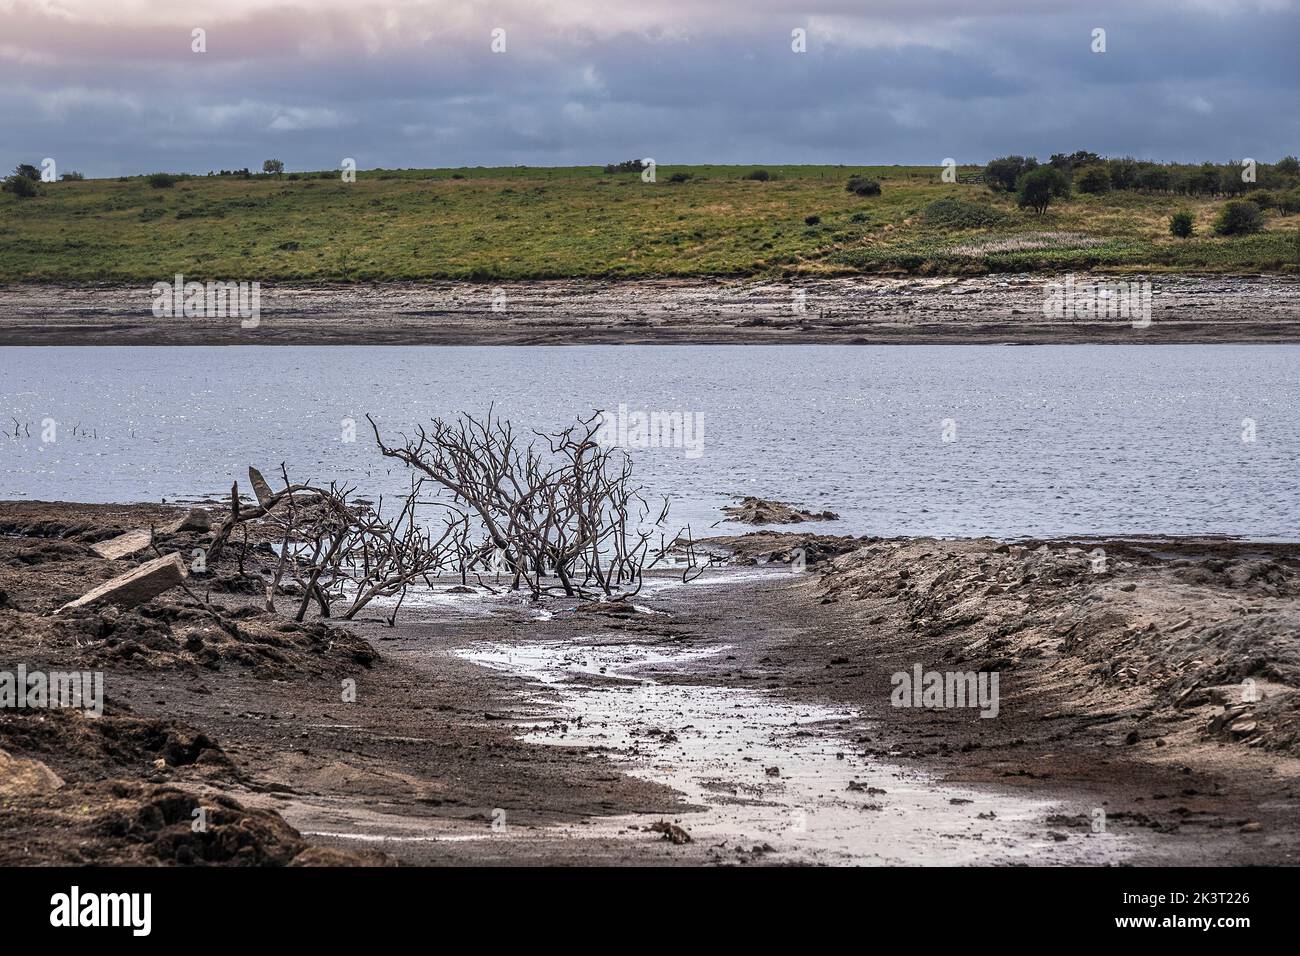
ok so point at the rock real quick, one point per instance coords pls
(330, 856)
(136, 586)
(1243, 726)
(123, 545)
(20, 777)
(753, 510)
(197, 519)
(671, 832)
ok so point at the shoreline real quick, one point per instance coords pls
(1102, 707)
(866, 310)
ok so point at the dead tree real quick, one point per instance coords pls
(338, 549)
(567, 511)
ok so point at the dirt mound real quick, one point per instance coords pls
(126, 823)
(1166, 634)
(163, 634)
(780, 547)
(116, 790)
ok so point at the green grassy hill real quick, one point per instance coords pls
(520, 223)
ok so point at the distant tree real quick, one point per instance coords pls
(1003, 173)
(20, 186)
(1206, 181)
(1038, 187)
(1287, 166)
(162, 180)
(1181, 224)
(1068, 164)
(273, 166)
(28, 171)
(1123, 173)
(1093, 179)
(1239, 218)
(627, 166)
(72, 177)
(1155, 178)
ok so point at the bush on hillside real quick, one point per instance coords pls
(1239, 218)
(862, 186)
(954, 213)
(1093, 179)
(19, 186)
(1181, 224)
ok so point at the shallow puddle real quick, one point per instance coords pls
(770, 774)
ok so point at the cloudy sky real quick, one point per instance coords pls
(110, 87)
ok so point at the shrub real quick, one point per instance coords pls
(1289, 202)
(862, 186)
(1262, 198)
(812, 220)
(20, 186)
(1093, 179)
(1038, 187)
(758, 175)
(679, 177)
(1287, 166)
(859, 217)
(953, 213)
(162, 180)
(627, 166)
(72, 177)
(1003, 174)
(1181, 224)
(1239, 218)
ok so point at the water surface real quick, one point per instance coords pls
(1046, 440)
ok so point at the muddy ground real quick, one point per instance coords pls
(1123, 687)
(863, 310)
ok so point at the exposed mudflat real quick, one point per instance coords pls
(749, 711)
(863, 310)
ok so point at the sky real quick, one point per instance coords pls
(115, 87)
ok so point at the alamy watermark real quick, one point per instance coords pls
(1099, 300)
(76, 690)
(209, 300)
(74, 909)
(947, 689)
(652, 429)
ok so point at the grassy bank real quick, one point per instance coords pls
(520, 223)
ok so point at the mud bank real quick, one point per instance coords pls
(866, 310)
(750, 710)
